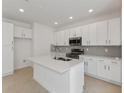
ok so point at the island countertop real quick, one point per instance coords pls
(56, 65)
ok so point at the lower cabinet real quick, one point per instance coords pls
(103, 68)
(90, 66)
(110, 69)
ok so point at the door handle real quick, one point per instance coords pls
(105, 67)
(108, 67)
(109, 41)
(106, 41)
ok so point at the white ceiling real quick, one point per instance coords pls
(49, 11)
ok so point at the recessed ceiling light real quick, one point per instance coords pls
(70, 17)
(21, 10)
(90, 10)
(55, 23)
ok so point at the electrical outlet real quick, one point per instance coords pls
(24, 61)
(87, 49)
(106, 50)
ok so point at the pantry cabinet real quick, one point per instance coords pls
(21, 32)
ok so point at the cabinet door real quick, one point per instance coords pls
(27, 33)
(72, 32)
(92, 66)
(18, 32)
(102, 68)
(60, 38)
(114, 29)
(7, 48)
(78, 32)
(101, 33)
(66, 37)
(115, 71)
(85, 35)
(92, 34)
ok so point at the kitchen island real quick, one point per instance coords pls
(58, 76)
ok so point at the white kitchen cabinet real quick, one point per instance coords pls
(21, 32)
(7, 49)
(103, 68)
(66, 37)
(115, 70)
(101, 33)
(90, 66)
(109, 69)
(72, 32)
(92, 34)
(114, 31)
(85, 35)
(60, 39)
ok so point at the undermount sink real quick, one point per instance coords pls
(63, 59)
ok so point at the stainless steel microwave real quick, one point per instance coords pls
(75, 41)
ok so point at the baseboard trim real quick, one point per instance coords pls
(6, 74)
(104, 79)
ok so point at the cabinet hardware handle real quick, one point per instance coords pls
(106, 41)
(105, 67)
(114, 62)
(101, 60)
(108, 67)
(109, 41)
(87, 63)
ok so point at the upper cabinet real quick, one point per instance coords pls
(88, 34)
(21, 32)
(101, 33)
(92, 34)
(114, 31)
(85, 35)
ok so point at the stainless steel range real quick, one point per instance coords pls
(75, 53)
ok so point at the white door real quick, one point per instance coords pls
(114, 29)
(92, 34)
(101, 33)
(7, 48)
(85, 35)
(92, 66)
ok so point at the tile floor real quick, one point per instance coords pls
(22, 82)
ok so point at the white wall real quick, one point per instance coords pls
(42, 38)
(22, 47)
(22, 50)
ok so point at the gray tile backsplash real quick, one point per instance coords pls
(109, 51)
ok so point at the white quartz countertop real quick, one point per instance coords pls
(101, 57)
(56, 65)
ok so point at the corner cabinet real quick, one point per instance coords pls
(21, 32)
